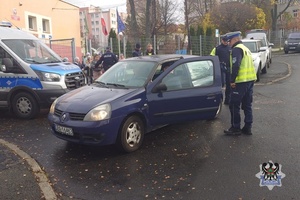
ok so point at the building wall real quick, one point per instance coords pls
(46, 19)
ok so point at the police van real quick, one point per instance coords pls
(32, 75)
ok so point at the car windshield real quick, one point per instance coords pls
(251, 46)
(32, 51)
(294, 36)
(128, 73)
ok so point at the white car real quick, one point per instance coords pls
(259, 55)
(260, 34)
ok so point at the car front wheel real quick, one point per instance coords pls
(131, 134)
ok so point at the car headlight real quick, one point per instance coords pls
(98, 113)
(52, 108)
(51, 77)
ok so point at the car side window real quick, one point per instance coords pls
(8, 64)
(201, 73)
(190, 75)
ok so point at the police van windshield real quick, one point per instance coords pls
(32, 51)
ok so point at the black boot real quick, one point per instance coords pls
(246, 130)
(233, 131)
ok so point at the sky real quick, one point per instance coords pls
(121, 4)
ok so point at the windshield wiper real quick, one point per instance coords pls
(101, 83)
(116, 85)
(31, 60)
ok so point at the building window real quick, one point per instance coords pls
(32, 23)
(295, 13)
(97, 22)
(46, 26)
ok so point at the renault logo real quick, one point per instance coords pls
(63, 117)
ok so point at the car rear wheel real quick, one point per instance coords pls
(131, 134)
(258, 74)
(264, 70)
(25, 106)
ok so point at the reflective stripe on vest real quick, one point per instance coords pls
(247, 70)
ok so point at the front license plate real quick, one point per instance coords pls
(292, 47)
(64, 130)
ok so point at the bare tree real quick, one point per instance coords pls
(133, 21)
(275, 14)
(168, 14)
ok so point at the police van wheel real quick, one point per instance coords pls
(25, 106)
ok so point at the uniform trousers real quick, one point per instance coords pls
(241, 97)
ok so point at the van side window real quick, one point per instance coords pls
(8, 64)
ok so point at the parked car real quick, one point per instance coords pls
(138, 95)
(260, 34)
(292, 43)
(259, 55)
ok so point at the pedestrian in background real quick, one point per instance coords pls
(149, 50)
(137, 51)
(242, 80)
(223, 52)
(96, 70)
(77, 62)
(107, 60)
(88, 70)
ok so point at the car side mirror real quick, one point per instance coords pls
(262, 48)
(159, 88)
(2, 68)
(271, 44)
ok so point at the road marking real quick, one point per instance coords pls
(40, 175)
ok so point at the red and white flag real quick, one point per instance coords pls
(104, 30)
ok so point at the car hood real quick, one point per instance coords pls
(85, 98)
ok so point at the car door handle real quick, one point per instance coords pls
(211, 96)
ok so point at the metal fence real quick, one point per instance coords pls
(178, 44)
(65, 48)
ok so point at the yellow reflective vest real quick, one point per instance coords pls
(247, 70)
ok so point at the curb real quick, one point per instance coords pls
(40, 175)
(278, 79)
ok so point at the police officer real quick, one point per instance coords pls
(241, 81)
(108, 59)
(223, 52)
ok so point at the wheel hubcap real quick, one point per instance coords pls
(133, 134)
(24, 105)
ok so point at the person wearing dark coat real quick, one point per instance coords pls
(137, 51)
(149, 50)
(107, 59)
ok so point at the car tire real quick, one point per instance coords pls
(131, 134)
(264, 70)
(25, 106)
(258, 74)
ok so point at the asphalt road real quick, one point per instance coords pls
(184, 161)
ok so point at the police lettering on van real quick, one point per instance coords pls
(32, 76)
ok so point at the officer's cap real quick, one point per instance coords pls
(231, 35)
(224, 37)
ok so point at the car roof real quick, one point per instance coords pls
(250, 40)
(161, 57)
(13, 33)
(256, 35)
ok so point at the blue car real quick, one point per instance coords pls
(136, 96)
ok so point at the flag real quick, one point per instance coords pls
(104, 30)
(121, 25)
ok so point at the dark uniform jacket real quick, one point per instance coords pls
(108, 59)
